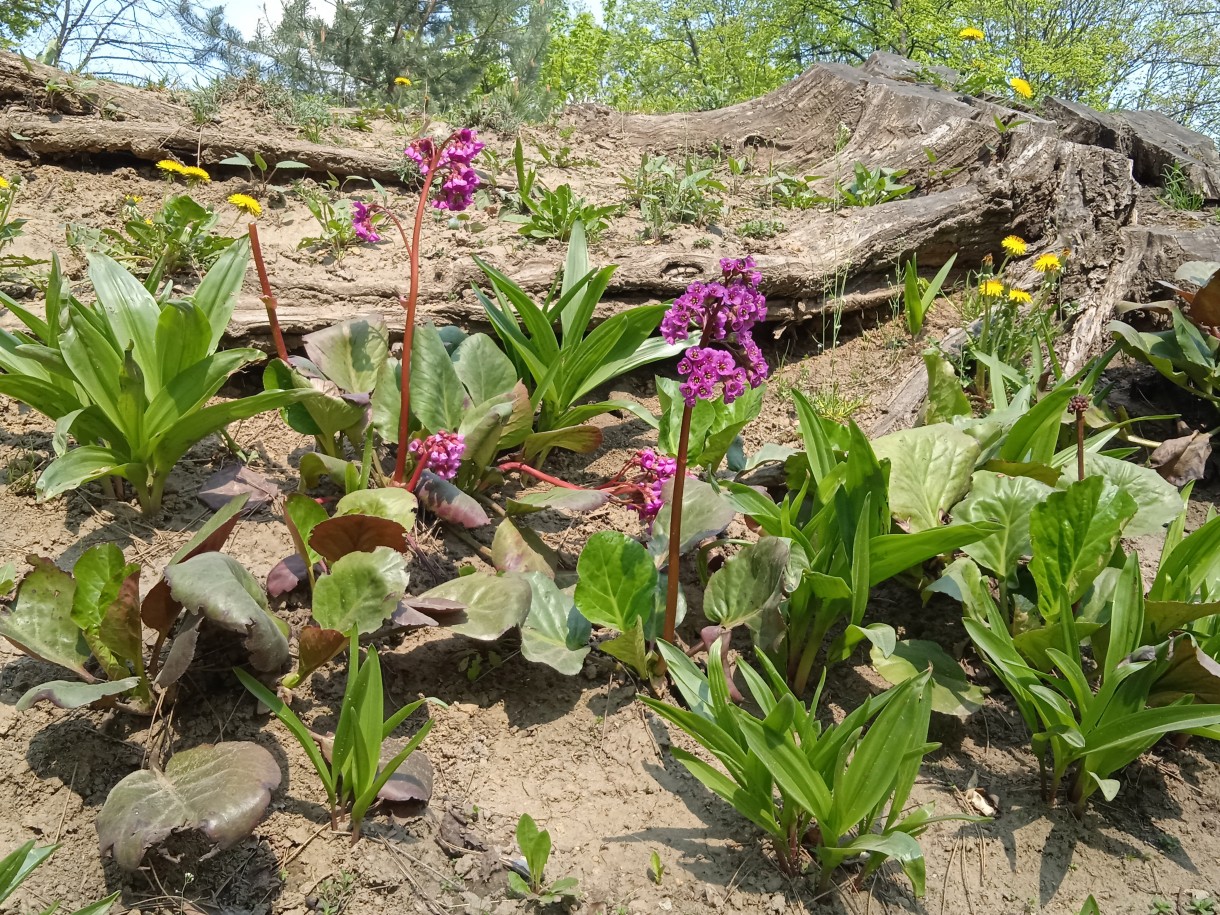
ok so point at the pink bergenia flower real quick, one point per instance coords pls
(443, 451)
(362, 222)
(656, 469)
(725, 312)
(456, 191)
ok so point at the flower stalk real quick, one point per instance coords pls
(456, 194)
(269, 300)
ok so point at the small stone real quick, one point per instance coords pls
(778, 903)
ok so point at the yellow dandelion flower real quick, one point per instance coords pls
(246, 204)
(1019, 295)
(132, 198)
(1048, 263)
(4, 185)
(148, 220)
(1015, 245)
(194, 171)
(992, 287)
(1021, 87)
(401, 81)
(970, 33)
(170, 167)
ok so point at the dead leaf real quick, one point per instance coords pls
(235, 480)
(1181, 460)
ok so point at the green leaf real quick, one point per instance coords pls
(392, 503)
(350, 353)
(74, 694)
(1074, 534)
(617, 581)
(917, 496)
(361, 591)
(483, 368)
(629, 647)
(82, 465)
(952, 692)
(1008, 501)
(220, 588)
(301, 515)
(890, 554)
(554, 633)
(131, 314)
(1157, 500)
(1033, 437)
(579, 439)
(749, 584)
(705, 513)
(945, 398)
(535, 845)
(560, 498)
(437, 394)
(493, 604)
(40, 621)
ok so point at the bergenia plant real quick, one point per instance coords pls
(450, 160)
(726, 357)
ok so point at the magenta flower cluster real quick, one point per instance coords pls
(443, 451)
(656, 469)
(456, 192)
(726, 312)
(362, 222)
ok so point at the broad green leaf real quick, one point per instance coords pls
(617, 581)
(437, 394)
(945, 399)
(483, 368)
(220, 588)
(1157, 500)
(392, 503)
(554, 633)
(361, 591)
(1007, 501)
(559, 498)
(952, 692)
(302, 514)
(749, 584)
(705, 513)
(494, 605)
(930, 468)
(535, 845)
(890, 554)
(131, 314)
(630, 648)
(40, 621)
(219, 789)
(1074, 534)
(350, 353)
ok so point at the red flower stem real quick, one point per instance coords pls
(510, 466)
(675, 507)
(675, 529)
(420, 466)
(269, 300)
(408, 330)
(1079, 444)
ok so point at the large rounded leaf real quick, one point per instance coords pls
(554, 633)
(221, 790)
(749, 584)
(705, 513)
(40, 623)
(393, 504)
(344, 535)
(952, 693)
(1157, 500)
(930, 469)
(1008, 501)
(493, 605)
(618, 581)
(560, 498)
(515, 549)
(351, 352)
(361, 591)
(483, 368)
(448, 502)
(220, 588)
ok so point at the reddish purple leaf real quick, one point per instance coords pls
(334, 538)
(286, 576)
(448, 502)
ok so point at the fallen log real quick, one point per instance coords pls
(41, 138)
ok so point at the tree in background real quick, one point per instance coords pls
(19, 17)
